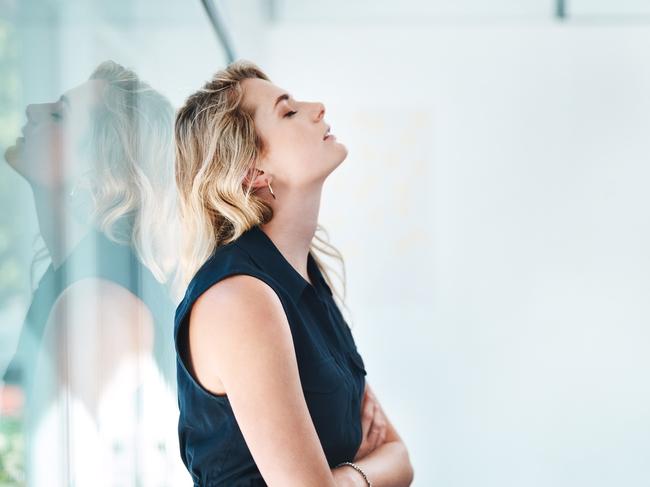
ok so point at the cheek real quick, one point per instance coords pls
(296, 154)
(46, 158)
(300, 148)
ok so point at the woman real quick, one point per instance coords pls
(271, 386)
(96, 345)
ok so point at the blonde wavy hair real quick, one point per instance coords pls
(216, 146)
(131, 178)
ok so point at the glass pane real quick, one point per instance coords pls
(87, 103)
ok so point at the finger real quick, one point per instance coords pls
(364, 399)
(382, 437)
(370, 440)
(373, 436)
(381, 428)
(381, 424)
(373, 431)
(367, 414)
(371, 395)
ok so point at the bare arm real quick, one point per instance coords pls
(94, 328)
(239, 330)
(386, 466)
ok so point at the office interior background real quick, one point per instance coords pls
(493, 212)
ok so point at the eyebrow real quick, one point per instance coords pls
(283, 96)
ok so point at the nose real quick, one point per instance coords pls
(34, 110)
(321, 111)
(29, 112)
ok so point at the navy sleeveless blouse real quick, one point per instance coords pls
(332, 372)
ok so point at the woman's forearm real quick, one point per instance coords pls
(387, 466)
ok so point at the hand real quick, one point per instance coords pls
(373, 424)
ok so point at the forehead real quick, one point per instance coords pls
(86, 94)
(260, 96)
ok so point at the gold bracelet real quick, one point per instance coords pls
(358, 469)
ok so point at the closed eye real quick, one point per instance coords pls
(290, 114)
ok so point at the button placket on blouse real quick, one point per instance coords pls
(342, 351)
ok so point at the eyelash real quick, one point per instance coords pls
(290, 114)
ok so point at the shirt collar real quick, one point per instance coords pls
(264, 252)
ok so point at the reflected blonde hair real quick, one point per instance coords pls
(132, 178)
(216, 146)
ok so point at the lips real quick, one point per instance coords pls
(327, 132)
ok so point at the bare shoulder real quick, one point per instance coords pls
(104, 326)
(239, 316)
(95, 302)
(238, 310)
(239, 292)
(97, 290)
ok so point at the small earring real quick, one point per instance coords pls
(271, 190)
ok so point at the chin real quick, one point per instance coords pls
(14, 159)
(344, 153)
(11, 155)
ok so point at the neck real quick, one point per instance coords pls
(60, 232)
(292, 228)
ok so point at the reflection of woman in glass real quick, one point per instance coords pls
(95, 355)
(271, 385)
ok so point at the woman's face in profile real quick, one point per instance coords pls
(49, 154)
(293, 133)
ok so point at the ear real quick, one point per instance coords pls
(256, 178)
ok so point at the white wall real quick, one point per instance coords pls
(494, 215)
